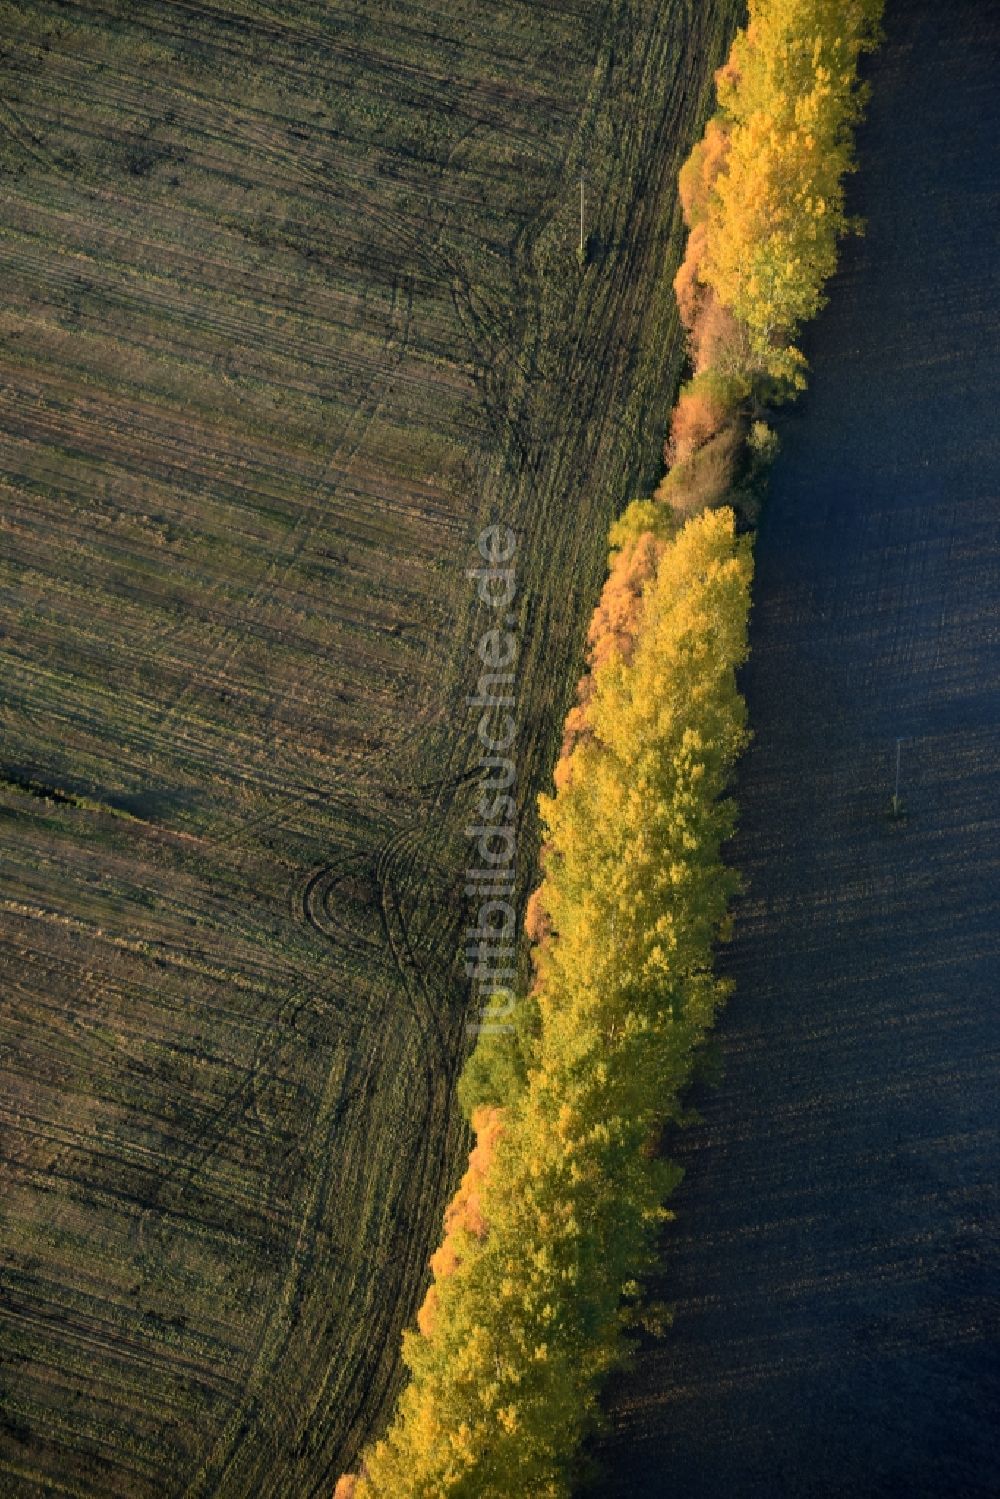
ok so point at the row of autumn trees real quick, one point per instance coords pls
(555, 1221)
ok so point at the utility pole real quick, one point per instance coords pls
(581, 248)
(895, 794)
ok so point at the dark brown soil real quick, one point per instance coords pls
(290, 308)
(834, 1263)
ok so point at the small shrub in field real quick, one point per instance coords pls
(748, 492)
(697, 175)
(704, 480)
(613, 625)
(763, 442)
(638, 518)
(705, 405)
(689, 289)
(716, 341)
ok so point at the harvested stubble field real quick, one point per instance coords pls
(835, 1263)
(291, 306)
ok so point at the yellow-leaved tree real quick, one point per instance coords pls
(555, 1218)
(528, 1316)
(789, 100)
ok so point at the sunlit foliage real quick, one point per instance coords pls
(555, 1219)
(556, 1215)
(773, 212)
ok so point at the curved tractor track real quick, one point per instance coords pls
(292, 307)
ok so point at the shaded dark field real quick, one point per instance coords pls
(291, 306)
(834, 1264)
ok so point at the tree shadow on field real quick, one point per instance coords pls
(154, 803)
